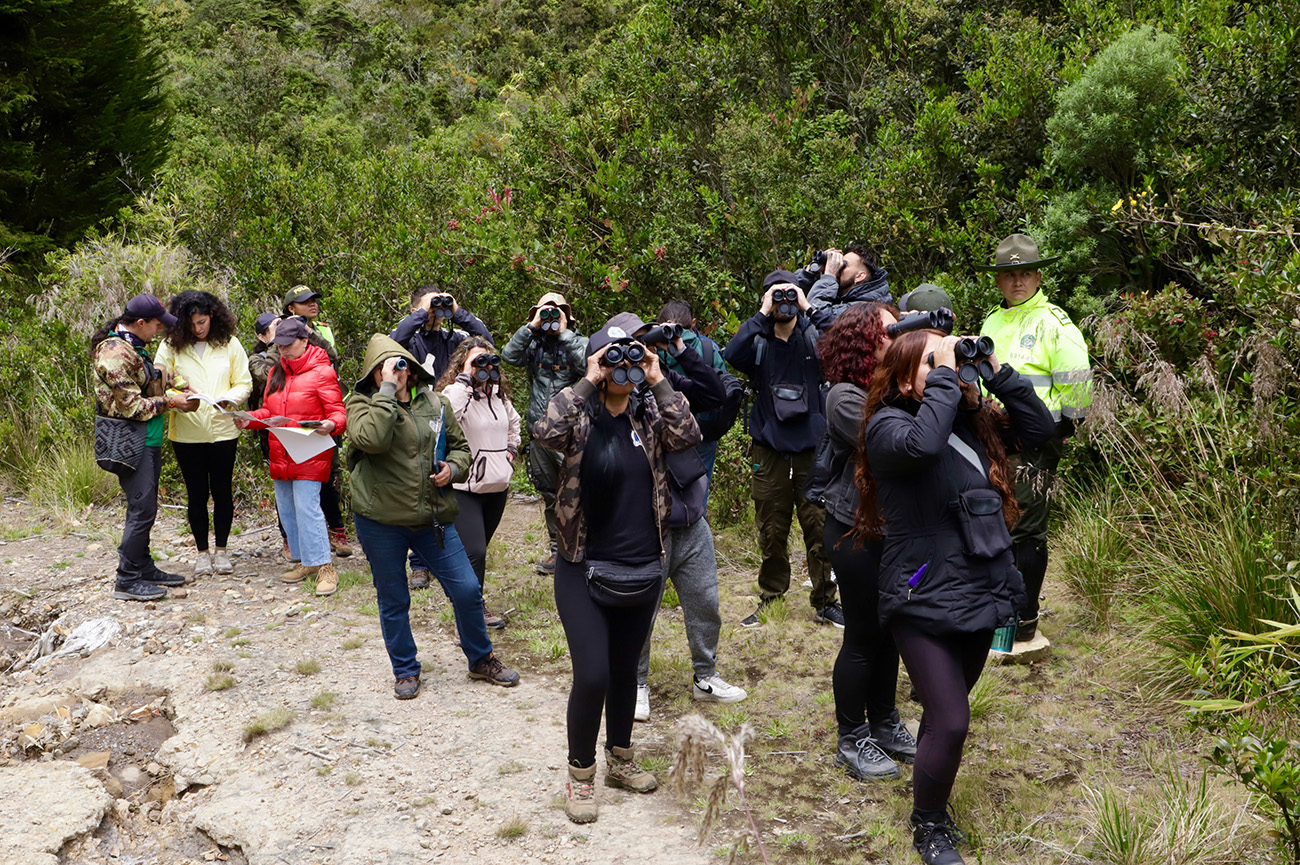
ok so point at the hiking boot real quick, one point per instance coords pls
(327, 580)
(621, 770)
(420, 578)
(712, 689)
(1026, 631)
(547, 566)
(339, 542)
(862, 758)
(221, 563)
(580, 795)
(162, 578)
(284, 551)
(203, 564)
(832, 614)
(141, 590)
(492, 670)
(642, 711)
(937, 842)
(894, 739)
(491, 619)
(298, 574)
(407, 687)
(752, 620)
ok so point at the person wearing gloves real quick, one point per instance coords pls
(407, 449)
(422, 334)
(202, 349)
(936, 481)
(302, 388)
(612, 514)
(555, 355)
(480, 399)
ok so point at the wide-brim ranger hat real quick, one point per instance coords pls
(622, 326)
(553, 298)
(299, 294)
(1017, 252)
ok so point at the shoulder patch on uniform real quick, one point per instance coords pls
(1061, 315)
(1027, 341)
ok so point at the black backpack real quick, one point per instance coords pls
(715, 423)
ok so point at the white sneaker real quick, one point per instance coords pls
(202, 564)
(712, 689)
(221, 562)
(642, 712)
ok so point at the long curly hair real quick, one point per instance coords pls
(456, 364)
(187, 303)
(848, 349)
(899, 367)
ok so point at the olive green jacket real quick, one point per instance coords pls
(391, 447)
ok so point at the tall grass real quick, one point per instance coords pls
(67, 479)
(1096, 544)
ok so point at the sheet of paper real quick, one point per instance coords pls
(302, 444)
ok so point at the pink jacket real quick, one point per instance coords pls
(491, 425)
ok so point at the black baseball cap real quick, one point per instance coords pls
(290, 330)
(264, 321)
(146, 306)
(299, 294)
(777, 277)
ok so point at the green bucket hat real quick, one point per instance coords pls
(1017, 252)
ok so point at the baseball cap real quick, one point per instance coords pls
(264, 321)
(299, 294)
(622, 326)
(924, 298)
(291, 329)
(777, 277)
(147, 306)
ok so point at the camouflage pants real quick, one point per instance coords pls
(777, 490)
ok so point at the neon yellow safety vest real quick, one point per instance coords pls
(325, 331)
(1044, 346)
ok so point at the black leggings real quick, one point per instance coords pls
(208, 469)
(943, 669)
(866, 669)
(480, 514)
(604, 646)
(329, 495)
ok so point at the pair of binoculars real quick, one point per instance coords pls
(662, 333)
(936, 319)
(487, 367)
(401, 363)
(441, 306)
(973, 354)
(550, 316)
(626, 359)
(786, 302)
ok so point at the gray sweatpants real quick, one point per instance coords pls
(693, 567)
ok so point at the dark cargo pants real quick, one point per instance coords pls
(1035, 479)
(777, 490)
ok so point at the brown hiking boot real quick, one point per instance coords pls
(546, 565)
(298, 574)
(327, 580)
(492, 670)
(339, 542)
(621, 770)
(420, 578)
(580, 795)
(288, 556)
(491, 619)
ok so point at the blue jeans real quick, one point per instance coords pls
(385, 547)
(298, 503)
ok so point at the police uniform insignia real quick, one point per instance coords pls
(1027, 341)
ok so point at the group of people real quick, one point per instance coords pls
(923, 503)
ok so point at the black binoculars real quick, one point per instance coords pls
(487, 367)
(626, 358)
(550, 316)
(401, 363)
(441, 306)
(662, 333)
(785, 301)
(936, 319)
(972, 358)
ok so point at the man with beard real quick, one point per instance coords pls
(850, 276)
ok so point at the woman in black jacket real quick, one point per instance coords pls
(935, 479)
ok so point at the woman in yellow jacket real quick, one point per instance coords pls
(202, 349)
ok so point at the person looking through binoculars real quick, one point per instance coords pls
(423, 334)
(835, 279)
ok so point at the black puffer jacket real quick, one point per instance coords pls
(920, 480)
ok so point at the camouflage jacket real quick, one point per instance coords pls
(664, 423)
(122, 388)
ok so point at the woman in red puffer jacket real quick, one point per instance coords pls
(302, 387)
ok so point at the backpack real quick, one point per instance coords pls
(715, 423)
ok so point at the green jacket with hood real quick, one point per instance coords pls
(392, 444)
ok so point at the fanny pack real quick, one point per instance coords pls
(119, 444)
(789, 401)
(611, 584)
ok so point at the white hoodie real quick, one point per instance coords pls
(491, 426)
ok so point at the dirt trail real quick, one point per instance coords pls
(466, 772)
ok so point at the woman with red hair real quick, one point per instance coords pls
(934, 480)
(871, 734)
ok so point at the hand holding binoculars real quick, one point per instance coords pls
(625, 358)
(550, 317)
(487, 367)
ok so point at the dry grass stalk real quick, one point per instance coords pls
(689, 773)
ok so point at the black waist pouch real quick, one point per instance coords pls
(789, 401)
(119, 444)
(611, 584)
(984, 532)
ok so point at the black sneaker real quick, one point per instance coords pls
(894, 739)
(937, 842)
(420, 578)
(492, 670)
(162, 578)
(752, 620)
(862, 758)
(140, 590)
(832, 613)
(407, 687)
(1026, 631)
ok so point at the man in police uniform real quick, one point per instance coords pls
(1044, 346)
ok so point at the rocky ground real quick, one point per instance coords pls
(140, 751)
